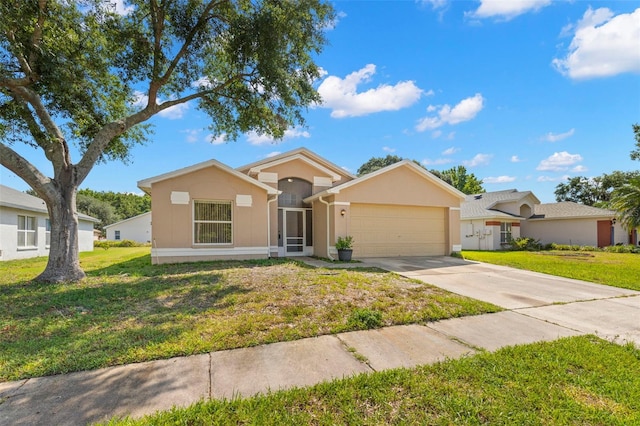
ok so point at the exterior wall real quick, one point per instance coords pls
(9, 249)
(136, 228)
(483, 234)
(583, 232)
(399, 186)
(172, 232)
(320, 245)
(453, 238)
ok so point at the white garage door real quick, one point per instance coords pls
(388, 230)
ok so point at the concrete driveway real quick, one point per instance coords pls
(609, 312)
(503, 286)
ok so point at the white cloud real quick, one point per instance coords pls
(256, 139)
(387, 149)
(552, 179)
(436, 134)
(436, 162)
(435, 4)
(120, 7)
(451, 135)
(273, 154)
(175, 112)
(450, 151)
(515, 159)
(202, 83)
(478, 160)
(559, 161)
(506, 9)
(343, 98)
(498, 179)
(465, 110)
(219, 140)
(603, 45)
(555, 137)
(192, 135)
(579, 169)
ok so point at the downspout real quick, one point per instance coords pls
(269, 225)
(328, 233)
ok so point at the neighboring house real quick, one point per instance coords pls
(490, 220)
(137, 228)
(297, 204)
(576, 224)
(25, 230)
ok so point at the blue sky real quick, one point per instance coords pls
(523, 93)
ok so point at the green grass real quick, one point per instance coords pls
(127, 310)
(574, 381)
(614, 269)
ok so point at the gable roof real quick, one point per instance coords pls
(297, 154)
(483, 206)
(15, 199)
(404, 163)
(569, 210)
(128, 219)
(145, 184)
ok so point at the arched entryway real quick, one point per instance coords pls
(295, 224)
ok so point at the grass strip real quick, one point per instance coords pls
(614, 269)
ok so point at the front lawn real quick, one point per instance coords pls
(614, 269)
(129, 311)
(578, 381)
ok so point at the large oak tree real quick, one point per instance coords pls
(75, 72)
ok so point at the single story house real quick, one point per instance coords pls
(298, 204)
(25, 230)
(489, 220)
(137, 228)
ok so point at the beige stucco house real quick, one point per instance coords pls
(490, 220)
(296, 204)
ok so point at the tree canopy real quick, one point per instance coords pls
(635, 154)
(76, 73)
(458, 177)
(594, 191)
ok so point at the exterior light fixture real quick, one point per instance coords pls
(343, 212)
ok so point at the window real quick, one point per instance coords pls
(212, 222)
(26, 231)
(116, 235)
(505, 232)
(47, 233)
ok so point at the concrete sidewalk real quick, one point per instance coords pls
(139, 389)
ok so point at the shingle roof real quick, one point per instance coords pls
(13, 198)
(481, 205)
(568, 209)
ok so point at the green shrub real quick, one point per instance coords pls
(622, 248)
(365, 319)
(525, 244)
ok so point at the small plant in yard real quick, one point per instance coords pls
(344, 243)
(365, 319)
(525, 244)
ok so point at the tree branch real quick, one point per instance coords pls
(26, 171)
(59, 157)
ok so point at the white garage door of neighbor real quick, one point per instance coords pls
(389, 230)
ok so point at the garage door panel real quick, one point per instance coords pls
(388, 230)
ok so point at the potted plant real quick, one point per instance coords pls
(344, 246)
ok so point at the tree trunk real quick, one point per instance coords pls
(64, 260)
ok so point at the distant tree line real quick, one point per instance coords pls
(458, 177)
(111, 207)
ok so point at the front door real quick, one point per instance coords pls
(605, 235)
(294, 232)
